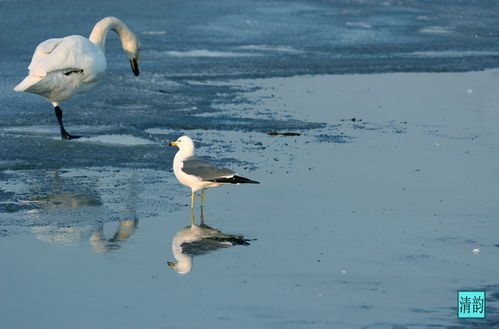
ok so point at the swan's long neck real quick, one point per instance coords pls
(100, 30)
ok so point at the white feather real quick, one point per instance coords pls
(63, 67)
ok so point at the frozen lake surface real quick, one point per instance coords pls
(378, 208)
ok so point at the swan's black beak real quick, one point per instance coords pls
(135, 65)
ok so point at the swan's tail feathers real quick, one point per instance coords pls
(27, 83)
(234, 180)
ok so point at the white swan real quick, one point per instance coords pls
(198, 174)
(63, 67)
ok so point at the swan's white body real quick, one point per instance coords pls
(63, 67)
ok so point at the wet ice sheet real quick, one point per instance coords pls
(300, 38)
(117, 140)
(87, 197)
(393, 214)
(383, 197)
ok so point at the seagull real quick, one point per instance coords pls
(198, 174)
(63, 67)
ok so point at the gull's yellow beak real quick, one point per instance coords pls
(172, 144)
(172, 265)
(135, 65)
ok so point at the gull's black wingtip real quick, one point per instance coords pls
(243, 180)
(235, 180)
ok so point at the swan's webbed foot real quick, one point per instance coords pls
(64, 133)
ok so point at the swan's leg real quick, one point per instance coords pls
(202, 198)
(64, 133)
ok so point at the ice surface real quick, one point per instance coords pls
(276, 48)
(116, 139)
(367, 214)
(393, 205)
(207, 53)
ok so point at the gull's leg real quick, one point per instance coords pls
(202, 198)
(64, 133)
(192, 200)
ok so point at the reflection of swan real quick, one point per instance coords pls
(195, 240)
(72, 235)
(63, 67)
(65, 200)
(69, 235)
(101, 245)
(68, 215)
(53, 215)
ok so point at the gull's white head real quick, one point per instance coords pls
(182, 267)
(184, 144)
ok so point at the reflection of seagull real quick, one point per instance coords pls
(195, 240)
(63, 67)
(198, 174)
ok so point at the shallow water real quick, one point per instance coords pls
(349, 214)
(366, 217)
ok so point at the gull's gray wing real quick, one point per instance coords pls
(205, 170)
(212, 240)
